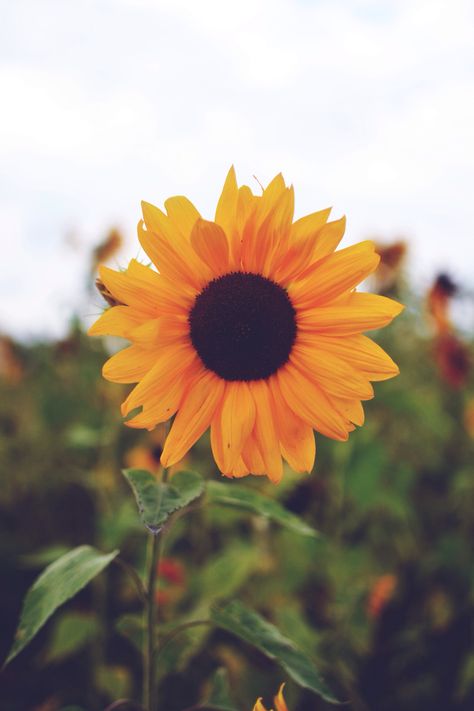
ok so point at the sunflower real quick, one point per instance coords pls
(279, 701)
(251, 326)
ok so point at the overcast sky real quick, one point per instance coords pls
(364, 105)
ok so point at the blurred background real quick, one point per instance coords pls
(366, 106)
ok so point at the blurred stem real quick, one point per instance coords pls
(154, 553)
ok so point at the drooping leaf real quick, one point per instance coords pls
(156, 501)
(240, 497)
(60, 581)
(71, 632)
(226, 572)
(254, 629)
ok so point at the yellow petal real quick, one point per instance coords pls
(328, 238)
(176, 259)
(210, 244)
(332, 374)
(227, 204)
(194, 417)
(268, 234)
(351, 409)
(361, 312)
(130, 290)
(309, 225)
(129, 365)
(160, 406)
(329, 277)
(239, 470)
(168, 247)
(117, 321)
(252, 458)
(237, 420)
(182, 214)
(280, 704)
(361, 352)
(217, 445)
(307, 401)
(293, 261)
(162, 331)
(259, 706)
(169, 365)
(265, 430)
(297, 441)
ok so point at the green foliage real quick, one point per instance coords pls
(395, 501)
(71, 632)
(254, 629)
(219, 697)
(60, 581)
(246, 499)
(157, 501)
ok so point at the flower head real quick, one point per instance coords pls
(251, 326)
(279, 701)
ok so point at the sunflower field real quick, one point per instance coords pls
(351, 584)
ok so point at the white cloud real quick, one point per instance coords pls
(364, 105)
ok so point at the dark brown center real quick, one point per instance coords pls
(243, 326)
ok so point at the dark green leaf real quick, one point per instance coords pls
(72, 631)
(254, 629)
(219, 697)
(59, 582)
(240, 497)
(156, 501)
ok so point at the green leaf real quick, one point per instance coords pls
(44, 556)
(226, 572)
(254, 629)
(131, 627)
(156, 501)
(240, 497)
(59, 582)
(219, 697)
(72, 631)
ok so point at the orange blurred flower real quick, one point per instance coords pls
(172, 572)
(107, 248)
(392, 257)
(453, 359)
(279, 701)
(469, 417)
(439, 298)
(10, 367)
(382, 591)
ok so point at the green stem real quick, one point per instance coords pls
(154, 553)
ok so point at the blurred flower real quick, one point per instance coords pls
(439, 298)
(469, 417)
(388, 271)
(453, 359)
(106, 294)
(252, 327)
(381, 593)
(107, 249)
(143, 457)
(147, 454)
(10, 367)
(171, 571)
(279, 701)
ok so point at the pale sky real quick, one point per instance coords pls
(365, 105)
